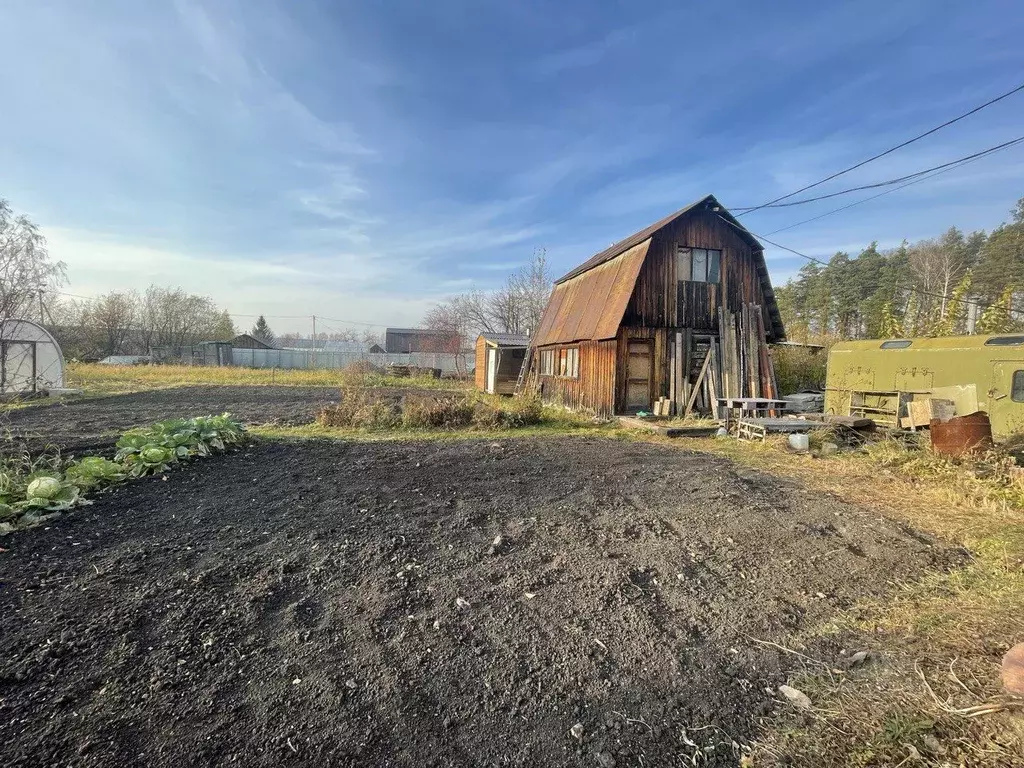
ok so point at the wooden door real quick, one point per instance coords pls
(639, 367)
(492, 369)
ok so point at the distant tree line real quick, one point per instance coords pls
(132, 323)
(955, 284)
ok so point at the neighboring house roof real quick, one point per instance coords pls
(507, 339)
(250, 342)
(588, 303)
(419, 331)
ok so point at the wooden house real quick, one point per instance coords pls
(681, 310)
(499, 359)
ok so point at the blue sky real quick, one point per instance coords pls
(362, 160)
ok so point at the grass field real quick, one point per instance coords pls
(93, 378)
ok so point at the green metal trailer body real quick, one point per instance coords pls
(986, 371)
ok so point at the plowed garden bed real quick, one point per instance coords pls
(454, 603)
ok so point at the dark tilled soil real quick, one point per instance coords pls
(93, 423)
(460, 603)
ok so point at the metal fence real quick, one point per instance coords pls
(309, 358)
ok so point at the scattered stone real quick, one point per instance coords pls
(577, 731)
(296, 681)
(1013, 670)
(932, 744)
(350, 684)
(530, 595)
(605, 760)
(796, 697)
(828, 449)
(496, 545)
(461, 602)
(857, 659)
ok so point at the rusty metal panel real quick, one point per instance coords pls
(961, 434)
(590, 306)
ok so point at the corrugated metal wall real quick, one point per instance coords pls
(306, 358)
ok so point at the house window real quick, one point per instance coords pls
(1017, 388)
(547, 362)
(698, 265)
(896, 344)
(569, 362)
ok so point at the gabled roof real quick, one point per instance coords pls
(507, 339)
(708, 202)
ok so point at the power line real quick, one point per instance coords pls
(890, 182)
(889, 151)
(909, 288)
(868, 199)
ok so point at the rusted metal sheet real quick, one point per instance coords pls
(961, 434)
(590, 306)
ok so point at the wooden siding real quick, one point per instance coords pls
(660, 300)
(594, 390)
(480, 375)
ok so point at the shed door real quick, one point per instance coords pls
(638, 376)
(492, 369)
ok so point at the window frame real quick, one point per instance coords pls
(1017, 386)
(568, 366)
(1005, 341)
(547, 362)
(712, 256)
(896, 344)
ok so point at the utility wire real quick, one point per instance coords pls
(890, 182)
(868, 199)
(889, 151)
(909, 288)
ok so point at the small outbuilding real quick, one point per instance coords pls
(499, 358)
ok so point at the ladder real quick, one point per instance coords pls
(524, 372)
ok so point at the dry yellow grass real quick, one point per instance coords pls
(116, 379)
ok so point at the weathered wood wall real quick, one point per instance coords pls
(661, 301)
(594, 390)
(480, 375)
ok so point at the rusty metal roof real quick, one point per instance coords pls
(591, 304)
(777, 332)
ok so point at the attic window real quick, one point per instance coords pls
(896, 344)
(1004, 341)
(698, 265)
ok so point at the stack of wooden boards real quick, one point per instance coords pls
(735, 363)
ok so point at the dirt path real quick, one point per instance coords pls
(89, 423)
(325, 603)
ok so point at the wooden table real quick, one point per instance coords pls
(748, 406)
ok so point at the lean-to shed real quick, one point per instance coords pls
(635, 322)
(499, 358)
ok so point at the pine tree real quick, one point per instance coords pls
(262, 331)
(997, 317)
